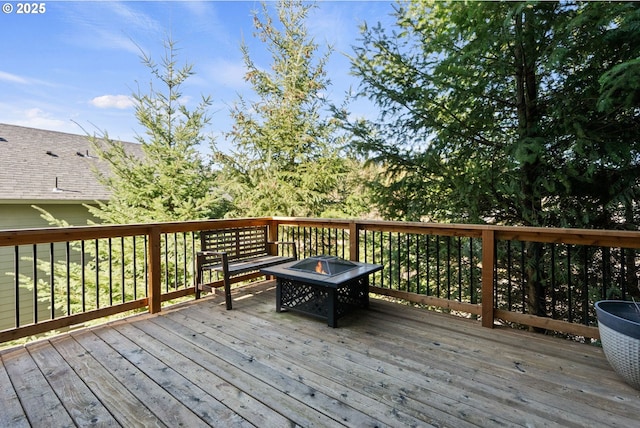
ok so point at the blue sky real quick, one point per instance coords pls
(76, 64)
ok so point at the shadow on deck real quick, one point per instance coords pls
(200, 365)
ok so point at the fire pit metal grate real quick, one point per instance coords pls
(324, 265)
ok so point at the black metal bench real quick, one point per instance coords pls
(238, 254)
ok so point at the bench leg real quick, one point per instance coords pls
(198, 282)
(227, 291)
(198, 276)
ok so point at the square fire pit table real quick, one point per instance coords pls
(323, 286)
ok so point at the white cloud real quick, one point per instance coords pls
(40, 119)
(228, 74)
(134, 18)
(111, 25)
(8, 77)
(185, 100)
(14, 78)
(113, 101)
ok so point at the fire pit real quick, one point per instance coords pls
(323, 286)
(324, 265)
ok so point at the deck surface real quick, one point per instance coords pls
(392, 365)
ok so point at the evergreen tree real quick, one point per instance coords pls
(520, 113)
(494, 112)
(286, 158)
(171, 181)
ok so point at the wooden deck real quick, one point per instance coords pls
(200, 365)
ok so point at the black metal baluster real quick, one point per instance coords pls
(495, 276)
(472, 288)
(523, 282)
(52, 280)
(122, 263)
(428, 267)
(585, 288)
(382, 257)
(166, 263)
(398, 262)
(184, 257)
(392, 260)
(35, 283)
(418, 276)
(569, 285)
(134, 258)
(448, 267)
(509, 277)
(193, 255)
(296, 239)
(97, 256)
(459, 269)
(418, 267)
(16, 287)
(68, 266)
(82, 275)
(408, 259)
(175, 260)
(623, 274)
(110, 249)
(315, 244)
(437, 265)
(606, 271)
(145, 270)
(553, 281)
(304, 243)
(366, 255)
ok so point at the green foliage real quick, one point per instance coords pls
(171, 181)
(521, 113)
(286, 159)
(167, 181)
(506, 112)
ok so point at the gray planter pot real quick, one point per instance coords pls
(619, 326)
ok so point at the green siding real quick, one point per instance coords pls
(23, 217)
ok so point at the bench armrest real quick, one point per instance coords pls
(207, 257)
(211, 253)
(293, 246)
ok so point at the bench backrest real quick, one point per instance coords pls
(238, 243)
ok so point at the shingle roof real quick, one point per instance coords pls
(33, 160)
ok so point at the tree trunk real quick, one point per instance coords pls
(528, 126)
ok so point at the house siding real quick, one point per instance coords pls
(16, 216)
(55, 171)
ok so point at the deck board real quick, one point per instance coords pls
(125, 409)
(392, 365)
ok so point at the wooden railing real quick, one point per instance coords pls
(59, 277)
(443, 266)
(55, 278)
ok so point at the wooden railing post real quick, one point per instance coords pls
(354, 241)
(272, 236)
(488, 262)
(155, 292)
